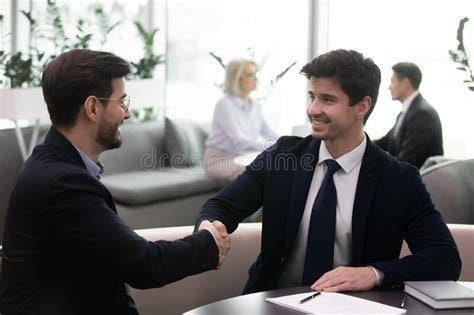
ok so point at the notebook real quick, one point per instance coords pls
(441, 294)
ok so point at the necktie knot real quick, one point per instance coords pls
(332, 166)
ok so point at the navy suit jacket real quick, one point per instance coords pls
(391, 204)
(420, 135)
(66, 251)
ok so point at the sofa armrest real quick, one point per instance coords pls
(207, 287)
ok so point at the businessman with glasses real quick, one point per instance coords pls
(65, 250)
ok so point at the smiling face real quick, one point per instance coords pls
(331, 117)
(109, 136)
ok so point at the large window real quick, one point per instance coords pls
(405, 30)
(60, 25)
(274, 32)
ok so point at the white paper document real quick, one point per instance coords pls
(334, 303)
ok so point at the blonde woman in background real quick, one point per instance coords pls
(238, 128)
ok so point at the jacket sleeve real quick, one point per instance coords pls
(82, 223)
(418, 131)
(243, 196)
(434, 252)
(383, 142)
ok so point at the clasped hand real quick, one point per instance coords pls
(219, 231)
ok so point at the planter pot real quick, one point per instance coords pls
(28, 103)
(23, 103)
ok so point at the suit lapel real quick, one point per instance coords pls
(60, 142)
(366, 184)
(300, 188)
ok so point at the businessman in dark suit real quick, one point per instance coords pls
(417, 133)
(336, 208)
(65, 250)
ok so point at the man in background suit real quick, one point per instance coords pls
(417, 134)
(340, 232)
(65, 250)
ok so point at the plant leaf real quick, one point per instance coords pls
(281, 74)
(218, 59)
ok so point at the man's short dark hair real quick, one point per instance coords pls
(357, 76)
(409, 71)
(75, 75)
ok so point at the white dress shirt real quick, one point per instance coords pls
(345, 181)
(238, 127)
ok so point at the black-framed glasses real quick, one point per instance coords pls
(124, 102)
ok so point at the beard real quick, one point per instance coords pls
(109, 135)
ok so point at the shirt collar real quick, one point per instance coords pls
(95, 168)
(406, 104)
(241, 103)
(347, 161)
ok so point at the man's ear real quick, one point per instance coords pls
(363, 107)
(91, 108)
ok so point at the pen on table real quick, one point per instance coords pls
(306, 299)
(404, 300)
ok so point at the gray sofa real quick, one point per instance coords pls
(156, 177)
(451, 186)
(10, 164)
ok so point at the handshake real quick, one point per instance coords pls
(219, 232)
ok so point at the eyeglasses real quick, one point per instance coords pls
(124, 102)
(250, 75)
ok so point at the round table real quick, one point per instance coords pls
(255, 303)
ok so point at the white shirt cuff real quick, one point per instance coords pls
(378, 276)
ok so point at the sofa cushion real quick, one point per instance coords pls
(142, 148)
(141, 187)
(185, 142)
(451, 188)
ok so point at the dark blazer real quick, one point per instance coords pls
(65, 250)
(420, 135)
(391, 204)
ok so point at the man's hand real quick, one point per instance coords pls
(346, 279)
(222, 238)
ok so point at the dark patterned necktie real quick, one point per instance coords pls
(320, 247)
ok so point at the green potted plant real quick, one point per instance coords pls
(460, 55)
(143, 71)
(144, 68)
(24, 69)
